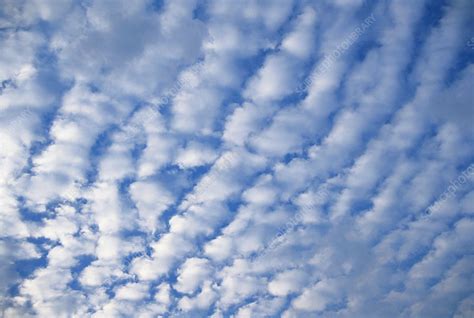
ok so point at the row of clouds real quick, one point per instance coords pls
(197, 159)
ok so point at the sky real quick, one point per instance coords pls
(247, 158)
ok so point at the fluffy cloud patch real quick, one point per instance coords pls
(236, 158)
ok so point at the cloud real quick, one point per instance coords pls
(152, 200)
(236, 159)
(192, 274)
(195, 155)
(133, 292)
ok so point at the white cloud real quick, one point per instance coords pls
(287, 282)
(195, 155)
(152, 199)
(202, 301)
(166, 251)
(236, 158)
(132, 291)
(192, 274)
(318, 297)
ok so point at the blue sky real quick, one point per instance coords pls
(245, 158)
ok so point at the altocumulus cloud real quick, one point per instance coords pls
(251, 158)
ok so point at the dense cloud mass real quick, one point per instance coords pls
(248, 158)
